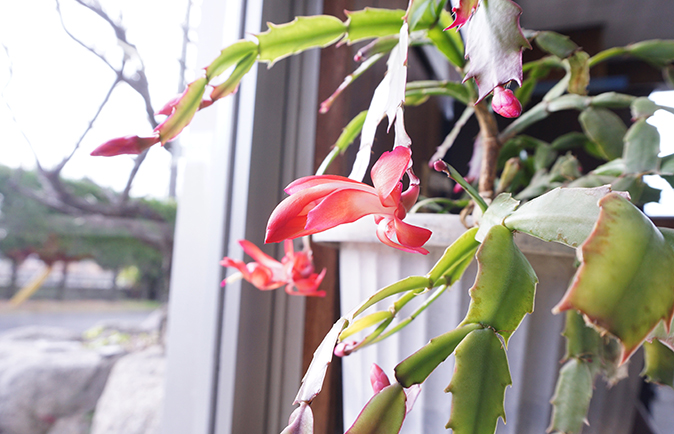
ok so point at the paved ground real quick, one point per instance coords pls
(77, 315)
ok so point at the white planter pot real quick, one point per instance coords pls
(534, 351)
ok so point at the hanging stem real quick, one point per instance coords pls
(491, 147)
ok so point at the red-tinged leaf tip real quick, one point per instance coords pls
(463, 13)
(494, 44)
(182, 110)
(124, 145)
(505, 103)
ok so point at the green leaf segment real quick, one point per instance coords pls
(478, 384)
(639, 292)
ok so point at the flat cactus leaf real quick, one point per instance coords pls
(625, 283)
(500, 208)
(230, 85)
(383, 414)
(301, 421)
(612, 100)
(642, 145)
(563, 215)
(572, 397)
(659, 363)
(183, 112)
(643, 107)
(556, 44)
(230, 56)
(656, 51)
(403, 285)
(464, 247)
(494, 44)
(371, 23)
(417, 367)
(582, 341)
(423, 14)
(605, 129)
(478, 384)
(312, 382)
(302, 33)
(448, 43)
(505, 285)
(370, 320)
(580, 73)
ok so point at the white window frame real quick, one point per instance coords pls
(234, 355)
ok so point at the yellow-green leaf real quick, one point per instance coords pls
(659, 363)
(229, 56)
(417, 367)
(299, 35)
(371, 23)
(383, 414)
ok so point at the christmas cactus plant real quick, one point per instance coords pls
(622, 295)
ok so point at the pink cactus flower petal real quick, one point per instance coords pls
(318, 203)
(295, 270)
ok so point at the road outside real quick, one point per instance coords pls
(76, 315)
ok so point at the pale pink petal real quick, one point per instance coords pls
(344, 206)
(239, 265)
(262, 277)
(386, 232)
(389, 169)
(411, 236)
(258, 255)
(410, 196)
(308, 286)
(333, 182)
(411, 393)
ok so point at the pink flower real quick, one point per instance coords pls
(124, 145)
(296, 270)
(318, 203)
(505, 103)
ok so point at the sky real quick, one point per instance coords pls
(51, 86)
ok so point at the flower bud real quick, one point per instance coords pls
(378, 378)
(124, 145)
(505, 103)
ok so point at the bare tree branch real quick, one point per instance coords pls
(11, 111)
(74, 38)
(103, 103)
(127, 189)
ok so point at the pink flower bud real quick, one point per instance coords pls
(124, 145)
(439, 165)
(378, 378)
(505, 103)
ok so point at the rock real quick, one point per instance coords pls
(133, 397)
(76, 424)
(33, 333)
(42, 381)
